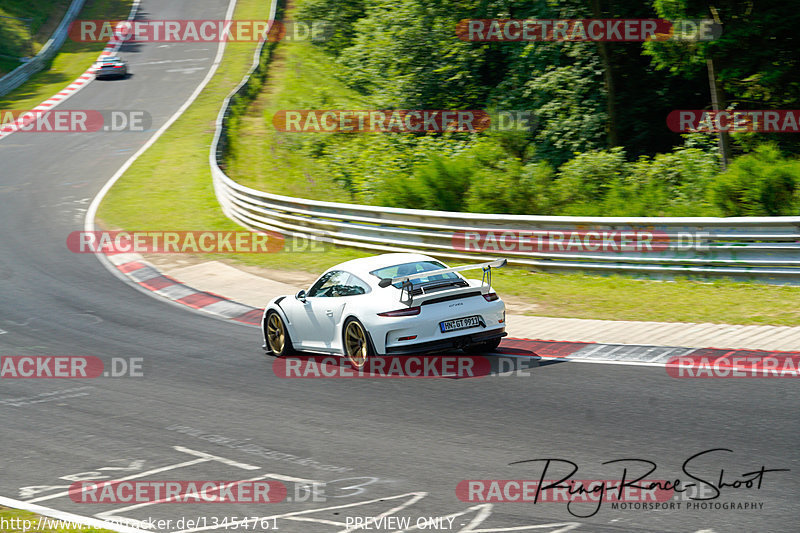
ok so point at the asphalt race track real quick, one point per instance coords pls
(209, 406)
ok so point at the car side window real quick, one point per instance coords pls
(337, 283)
(354, 286)
(323, 285)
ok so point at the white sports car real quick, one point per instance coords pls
(390, 304)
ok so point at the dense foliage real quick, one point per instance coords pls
(600, 145)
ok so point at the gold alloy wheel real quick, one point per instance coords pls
(355, 344)
(276, 333)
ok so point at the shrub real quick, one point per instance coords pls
(440, 183)
(762, 183)
(512, 188)
(588, 176)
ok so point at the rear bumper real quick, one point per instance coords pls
(117, 73)
(449, 343)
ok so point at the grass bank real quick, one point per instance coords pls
(25, 25)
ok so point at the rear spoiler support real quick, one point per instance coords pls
(406, 285)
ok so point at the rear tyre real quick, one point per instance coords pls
(355, 341)
(483, 347)
(277, 336)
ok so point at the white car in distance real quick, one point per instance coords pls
(390, 304)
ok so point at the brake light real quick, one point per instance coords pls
(490, 296)
(408, 311)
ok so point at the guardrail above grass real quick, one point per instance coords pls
(761, 248)
(22, 73)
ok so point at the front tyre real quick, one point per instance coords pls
(483, 347)
(355, 341)
(277, 336)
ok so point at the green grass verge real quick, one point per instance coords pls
(16, 521)
(170, 188)
(624, 298)
(264, 159)
(21, 38)
(170, 185)
(72, 60)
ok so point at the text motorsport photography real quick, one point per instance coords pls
(703, 484)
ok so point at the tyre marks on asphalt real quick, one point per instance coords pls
(47, 397)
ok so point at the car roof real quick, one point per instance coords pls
(363, 266)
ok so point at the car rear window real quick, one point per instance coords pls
(407, 269)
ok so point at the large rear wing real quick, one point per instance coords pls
(486, 267)
(406, 284)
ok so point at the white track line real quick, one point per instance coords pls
(114, 513)
(211, 457)
(134, 476)
(91, 213)
(568, 359)
(68, 517)
(89, 224)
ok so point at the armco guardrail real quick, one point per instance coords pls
(763, 248)
(20, 75)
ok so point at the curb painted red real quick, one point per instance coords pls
(147, 276)
(139, 271)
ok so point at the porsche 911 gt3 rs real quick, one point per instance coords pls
(111, 67)
(390, 304)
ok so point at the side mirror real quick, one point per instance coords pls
(301, 296)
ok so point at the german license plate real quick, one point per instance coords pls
(460, 323)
